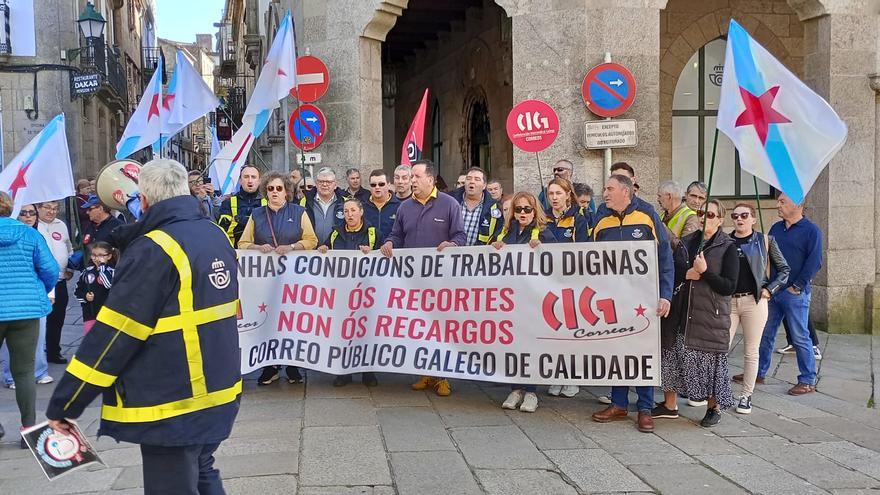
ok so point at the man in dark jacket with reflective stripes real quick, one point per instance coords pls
(481, 215)
(235, 210)
(164, 351)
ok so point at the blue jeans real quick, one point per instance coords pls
(796, 310)
(620, 397)
(41, 366)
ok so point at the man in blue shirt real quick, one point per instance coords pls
(800, 241)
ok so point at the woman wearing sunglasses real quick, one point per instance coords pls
(753, 289)
(28, 216)
(354, 234)
(695, 336)
(526, 224)
(281, 227)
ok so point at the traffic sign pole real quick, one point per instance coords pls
(608, 159)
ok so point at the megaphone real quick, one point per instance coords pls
(117, 186)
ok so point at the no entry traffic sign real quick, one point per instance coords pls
(532, 125)
(609, 89)
(312, 79)
(307, 127)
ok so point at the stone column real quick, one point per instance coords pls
(840, 48)
(554, 45)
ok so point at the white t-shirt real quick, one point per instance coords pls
(58, 239)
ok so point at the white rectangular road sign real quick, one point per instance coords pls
(601, 134)
(308, 158)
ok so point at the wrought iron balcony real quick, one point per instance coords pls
(105, 60)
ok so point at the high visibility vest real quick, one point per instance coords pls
(233, 207)
(485, 236)
(186, 322)
(371, 237)
(676, 223)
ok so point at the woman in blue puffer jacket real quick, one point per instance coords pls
(29, 273)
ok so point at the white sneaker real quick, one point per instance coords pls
(46, 379)
(11, 386)
(513, 400)
(789, 349)
(554, 390)
(604, 399)
(529, 403)
(570, 391)
(817, 353)
(697, 403)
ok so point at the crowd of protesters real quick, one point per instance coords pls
(711, 282)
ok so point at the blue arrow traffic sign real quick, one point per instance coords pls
(307, 127)
(609, 89)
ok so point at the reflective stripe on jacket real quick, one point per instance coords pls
(164, 350)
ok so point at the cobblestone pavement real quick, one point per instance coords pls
(316, 439)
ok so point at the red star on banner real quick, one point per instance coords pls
(19, 181)
(282, 73)
(759, 112)
(166, 102)
(154, 108)
(640, 311)
(263, 307)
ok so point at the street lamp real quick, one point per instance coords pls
(91, 23)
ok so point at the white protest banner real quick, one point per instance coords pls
(580, 314)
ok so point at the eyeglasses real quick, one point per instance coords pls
(27, 213)
(326, 182)
(377, 184)
(523, 209)
(708, 214)
(99, 255)
(560, 169)
(736, 216)
(275, 188)
(196, 182)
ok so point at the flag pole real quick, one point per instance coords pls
(708, 191)
(758, 204)
(541, 177)
(232, 123)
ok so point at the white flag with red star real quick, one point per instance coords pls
(42, 170)
(145, 125)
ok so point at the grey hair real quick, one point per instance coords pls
(403, 168)
(163, 179)
(699, 185)
(326, 171)
(624, 181)
(670, 187)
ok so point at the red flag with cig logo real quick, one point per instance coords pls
(412, 142)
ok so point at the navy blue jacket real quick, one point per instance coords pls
(801, 245)
(514, 236)
(638, 222)
(384, 218)
(492, 220)
(164, 350)
(564, 228)
(342, 239)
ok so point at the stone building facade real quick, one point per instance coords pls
(479, 57)
(35, 89)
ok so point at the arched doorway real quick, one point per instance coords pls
(479, 130)
(694, 114)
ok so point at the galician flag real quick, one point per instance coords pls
(215, 150)
(413, 142)
(42, 170)
(187, 99)
(785, 133)
(277, 78)
(145, 125)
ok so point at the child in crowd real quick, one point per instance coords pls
(95, 281)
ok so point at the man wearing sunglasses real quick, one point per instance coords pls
(380, 209)
(481, 215)
(235, 210)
